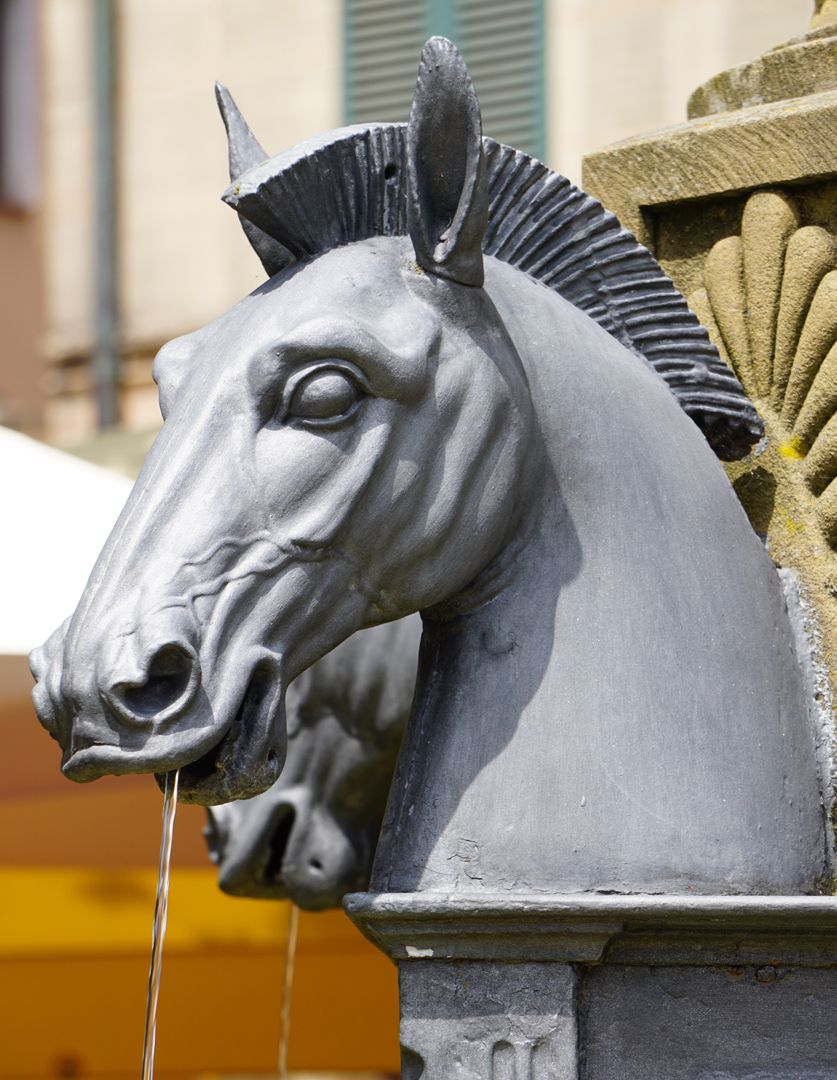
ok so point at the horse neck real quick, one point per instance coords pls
(478, 672)
(556, 730)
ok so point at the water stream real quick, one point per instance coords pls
(287, 990)
(161, 909)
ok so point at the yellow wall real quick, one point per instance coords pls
(74, 963)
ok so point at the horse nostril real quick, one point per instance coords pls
(171, 679)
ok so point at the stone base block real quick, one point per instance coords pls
(474, 1019)
(611, 988)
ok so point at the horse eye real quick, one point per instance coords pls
(323, 395)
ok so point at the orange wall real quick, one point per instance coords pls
(77, 883)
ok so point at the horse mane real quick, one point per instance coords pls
(350, 185)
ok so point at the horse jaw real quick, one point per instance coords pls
(250, 754)
(281, 846)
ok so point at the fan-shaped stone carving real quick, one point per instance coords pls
(769, 301)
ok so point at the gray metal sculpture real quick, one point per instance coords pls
(439, 403)
(311, 836)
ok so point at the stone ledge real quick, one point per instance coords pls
(590, 929)
(805, 65)
(787, 141)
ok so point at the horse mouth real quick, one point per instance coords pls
(249, 755)
(258, 871)
(244, 759)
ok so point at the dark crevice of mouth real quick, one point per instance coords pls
(243, 761)
(198, 771)
(277, 846)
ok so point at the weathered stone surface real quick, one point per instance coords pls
(803, 66)
(825, 13)
(595, 928)
(721, 988)
(782, 142)
(776, 282)
(476, 1020)
(483, 1021)
(756, 1022)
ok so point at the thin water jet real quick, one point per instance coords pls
(161, 909)
(287, 991)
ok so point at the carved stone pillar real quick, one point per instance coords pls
(475, 1019)
(739, 205)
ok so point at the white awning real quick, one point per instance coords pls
(57, 512)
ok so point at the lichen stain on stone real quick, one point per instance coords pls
(793, 449)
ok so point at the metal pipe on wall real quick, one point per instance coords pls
(106, 309)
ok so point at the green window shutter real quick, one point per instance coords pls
(501, 40)
(382, 40)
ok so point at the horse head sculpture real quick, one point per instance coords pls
(311, 837)
(464, 391)
(329, 389)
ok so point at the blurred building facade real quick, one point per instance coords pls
(563, 76)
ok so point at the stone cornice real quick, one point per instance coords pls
(590, 929)
(782, 142)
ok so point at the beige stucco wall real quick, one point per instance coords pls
(182, 257)
(68, 175)
(618, 67)
(614, 67)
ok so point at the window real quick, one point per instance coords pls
(502, 42)
(18, 104)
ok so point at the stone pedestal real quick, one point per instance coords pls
(606, 987)
(739, 205)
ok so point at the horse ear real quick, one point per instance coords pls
(245, 151)
(447, 194)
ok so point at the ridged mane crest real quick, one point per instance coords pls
(351, 184)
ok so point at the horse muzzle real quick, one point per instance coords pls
(285, 848)
(139, 704)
